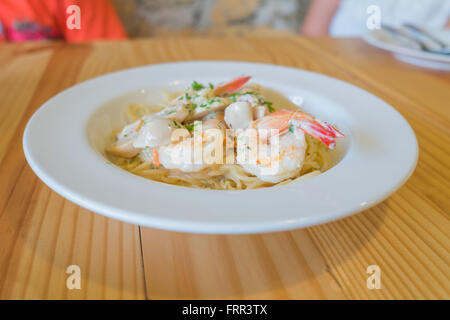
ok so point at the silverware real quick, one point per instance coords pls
(425, 33)
(403, 33)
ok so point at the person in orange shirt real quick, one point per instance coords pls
(24, 20)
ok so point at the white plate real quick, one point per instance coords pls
(65, 139)
(411, 55)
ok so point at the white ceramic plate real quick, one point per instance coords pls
(410, 55)
(65, 139)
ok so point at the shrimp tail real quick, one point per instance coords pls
(318, 132)
(231, 86)
(317, 129)
(332, 129)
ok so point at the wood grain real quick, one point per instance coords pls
(41, 234)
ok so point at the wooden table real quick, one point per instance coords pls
(41, 233)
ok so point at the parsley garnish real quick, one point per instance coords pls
(269, 106)
(186, 95)
(211, 86)
(291, 128)
(235, 94)
(213, 100)
(190, 126)
(197, 86)
(191, 107)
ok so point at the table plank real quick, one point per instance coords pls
(42, 233)
(269, 266)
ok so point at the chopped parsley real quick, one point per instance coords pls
(176, 124)
(291, 128)
(197, 86)
(186, 95)
(211, 86)
(189, 126)
(191, 107)
(233, 95)
(212, 100)
(269, 106)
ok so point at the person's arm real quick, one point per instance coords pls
(447, 25)
(319, 16)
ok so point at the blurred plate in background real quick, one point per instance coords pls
(411, 54)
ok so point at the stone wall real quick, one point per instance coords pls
(144, 18)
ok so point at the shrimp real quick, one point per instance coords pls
(199, 101)
(290, 121)
(291, 127)
(281, 163)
